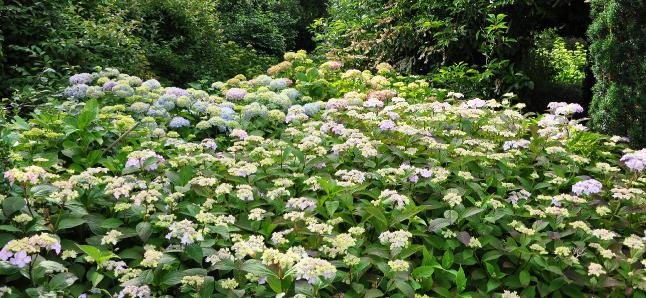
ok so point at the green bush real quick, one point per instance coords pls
(175, 41)
(316, 181)
(556, 66)
(41, 36)
(618, 45)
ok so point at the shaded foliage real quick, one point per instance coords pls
(618, 45)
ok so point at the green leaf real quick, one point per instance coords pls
(524, 278)
(451, 216)
(447, 259)
(206, 291)
(52, 266)
(12, 204)
(438, 224)
(460, 280)
(88, 114)
(98, 255)
(405, 288)
(255, 267)
(111, 223)
(95, 278)
(376, 213)
(68, 222)
(423, 272)
(194, 251)
(275, 284)
(374, 293)
(9, 228)
(330, 207)
(62, 280)
(144, 230)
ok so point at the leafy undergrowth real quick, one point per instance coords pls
(314, 182)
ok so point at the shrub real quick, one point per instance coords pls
(618, 44)
(556, 65)
(315, 181)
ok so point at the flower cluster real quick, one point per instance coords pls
(315, 181)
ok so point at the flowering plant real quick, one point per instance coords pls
(314, 181)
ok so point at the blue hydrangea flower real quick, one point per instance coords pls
(166, 102)
(312, 108)
(157, 112)
(178, 122)
(81, 78)
(199, 107)
(291, 93)
(227, 113)
(77, 91)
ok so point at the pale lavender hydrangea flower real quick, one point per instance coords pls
(109, 85)
(147, 159)
(177, 92)
(209, 144)
(81, 78)
(515, 144)
(587, 187)
(235, 94)
(20, 259)
(5, 254)
(476, 103)
(635, 161)
(387, 125)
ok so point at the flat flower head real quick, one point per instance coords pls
(587, 187)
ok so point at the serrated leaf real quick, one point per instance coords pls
(62, 280)
(144, 230)
(12, 204)
(255, 267)
(447, 259)
(438, 224)
(194, 251)
(460, 280)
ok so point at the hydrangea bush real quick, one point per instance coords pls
(314, 181)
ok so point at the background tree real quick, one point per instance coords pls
(618, 49)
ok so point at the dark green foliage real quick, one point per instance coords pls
(478, 42)
(618, 51)
(41, 36)
(267, 25)
(176, 41)
(556, 66)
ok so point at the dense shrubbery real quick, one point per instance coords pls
(618, 46)
(176, 41)
(477, 45)
(314, 181)
(556, 66)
